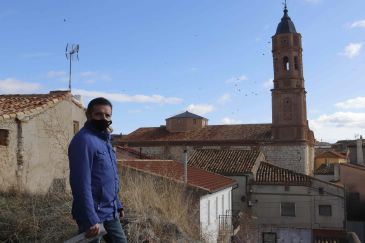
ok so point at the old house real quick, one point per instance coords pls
(237, 164)
(329, 157)
(290, 206)
(35, 130)
(212, 192)
(286, 142)
(265, 190)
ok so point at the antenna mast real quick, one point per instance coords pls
(72, 50)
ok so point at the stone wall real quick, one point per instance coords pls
(45, 139)
(8, 158)
(299, 158)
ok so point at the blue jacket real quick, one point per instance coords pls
(93, 177)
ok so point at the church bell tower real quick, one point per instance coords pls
(289, 112)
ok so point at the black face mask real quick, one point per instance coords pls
(100, 125)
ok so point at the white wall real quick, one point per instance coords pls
(267, 205)
(211, 206)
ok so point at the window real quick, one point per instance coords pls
(288, 209)
(4, 137)
(208, 212)
(76, 127)
(296, 66)
(325, 210)
(229, 200)
(268, 237)
(286, 65)
(194, 121)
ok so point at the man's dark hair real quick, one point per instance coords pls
(97, 101)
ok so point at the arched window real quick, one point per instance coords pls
(296, 66)
(286, 65)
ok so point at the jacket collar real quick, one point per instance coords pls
(103, 135)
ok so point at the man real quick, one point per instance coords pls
(93, 175)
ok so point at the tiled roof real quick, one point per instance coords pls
(325, 169)
(331, 154)
(186, 114)
(270, 174)
(23, 105)
(173, 170)
(226, 161)
(126, 153)
(247, 133)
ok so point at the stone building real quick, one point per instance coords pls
(286, 142)
(35, 130)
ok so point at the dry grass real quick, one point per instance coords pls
(158, 211)
(163, 210)
(35, 218)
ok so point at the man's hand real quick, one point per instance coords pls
(93, 231)
(121, 213)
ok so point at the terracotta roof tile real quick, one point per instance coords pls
(212, 133)
(325, 169)
(331, 154)
(186, 114)
(13, 105)
(126, 153)
(271, 174)
(173, 170)
(226, 161)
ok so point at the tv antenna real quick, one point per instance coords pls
(72, 53)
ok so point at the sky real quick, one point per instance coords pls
(157, 58)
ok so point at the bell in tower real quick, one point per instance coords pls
(289, 113)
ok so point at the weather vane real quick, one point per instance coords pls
(284, 3)
(72, 51)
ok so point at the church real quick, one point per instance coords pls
(287, 142)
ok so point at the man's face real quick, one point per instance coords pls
(101, 112)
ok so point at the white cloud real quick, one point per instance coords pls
(269, 83)
(56, 74)
(343, 119)
(224, 99)
(200, 109)
(355, 103)
(337, 126)
(352, 50)
(14, 86)
(119, 97)
(237, 79)
(228, 120)
(358, 24)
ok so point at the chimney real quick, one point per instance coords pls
(185, 159)
(360, 155)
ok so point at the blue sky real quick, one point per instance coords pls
(155, 59)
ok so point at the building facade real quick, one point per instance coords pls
(35, 131)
